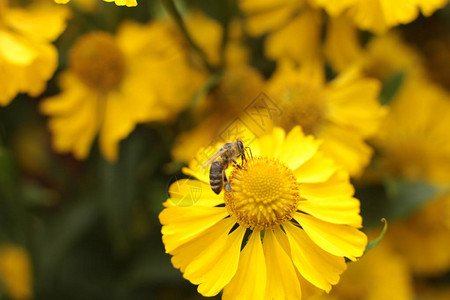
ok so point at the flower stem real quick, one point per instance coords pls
(170, 7)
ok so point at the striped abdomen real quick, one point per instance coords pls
(216, 176)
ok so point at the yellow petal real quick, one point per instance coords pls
(337, 186)
(317, 266)
(250, 279)
(429, 6)
(182, 224)
(295, 140)
(346, 147)
(282, 281)
(265, 16)
(337, 239)
(316, 169)
(223, 254)
(9, 82)
(189, 251)
(187, 192)
(117, 124)
(74, 129)
(35, 75)
(16, 272)
(335, 7)
(342, 45)
(41, 23)
(337, 210)
(298, 40)
(353, 103)
(15, 49)
(270, 145)
(129, 3)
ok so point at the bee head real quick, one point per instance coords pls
(240, 146)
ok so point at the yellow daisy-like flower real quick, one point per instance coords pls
(15, 272)
(239, 86)
(293, 27)
(413, 140)
(368, 278)
(380, 15)
(129, 3)
(423, 238)
(343, 113)
(27, 57)
(113, 83)
(282, 228)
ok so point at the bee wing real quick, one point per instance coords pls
(210, 160)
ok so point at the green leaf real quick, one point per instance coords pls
(118, 190)
(406, 197)
(61, 234)
(7, 174)
(394, 199)
(372, 244)
(390, 87)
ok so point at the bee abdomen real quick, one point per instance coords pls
(215, 176)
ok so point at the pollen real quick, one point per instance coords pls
(263, 194)
(302, 105)
(97, 61)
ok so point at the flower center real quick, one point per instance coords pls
(98, 61)
(302, 105)
(263, 194)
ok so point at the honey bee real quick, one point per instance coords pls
(227, 154)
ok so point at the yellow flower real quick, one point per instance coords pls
(129, 3)
(27, 57)
(413, 141)
(343, 113)
(342, 46)
(237, 89)
(413, 144)
(282, 228)
(293, 27)
(15, 272)
(388, 55)
(423, 238)
(380, 15)
(238, 86)
(380, 274)
(113, 83)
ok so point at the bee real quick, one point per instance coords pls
(227, 154)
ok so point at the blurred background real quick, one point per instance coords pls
(102, 105)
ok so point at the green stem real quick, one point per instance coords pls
(169, 5)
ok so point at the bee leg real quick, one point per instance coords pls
(225, 182)
(236, 164)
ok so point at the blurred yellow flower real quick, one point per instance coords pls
(423, 239)
(224, 105)
(27, 57)
(413, 144)
(380, 274)
(388, 55)
(238, 87)
(342, 113)
(15, 272)
(283, 230)
(113, 83)
(413, 141)
(293, 27)
(129, 3)
(342, 46)
(380, 15)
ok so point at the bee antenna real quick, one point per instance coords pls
(249, 151)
